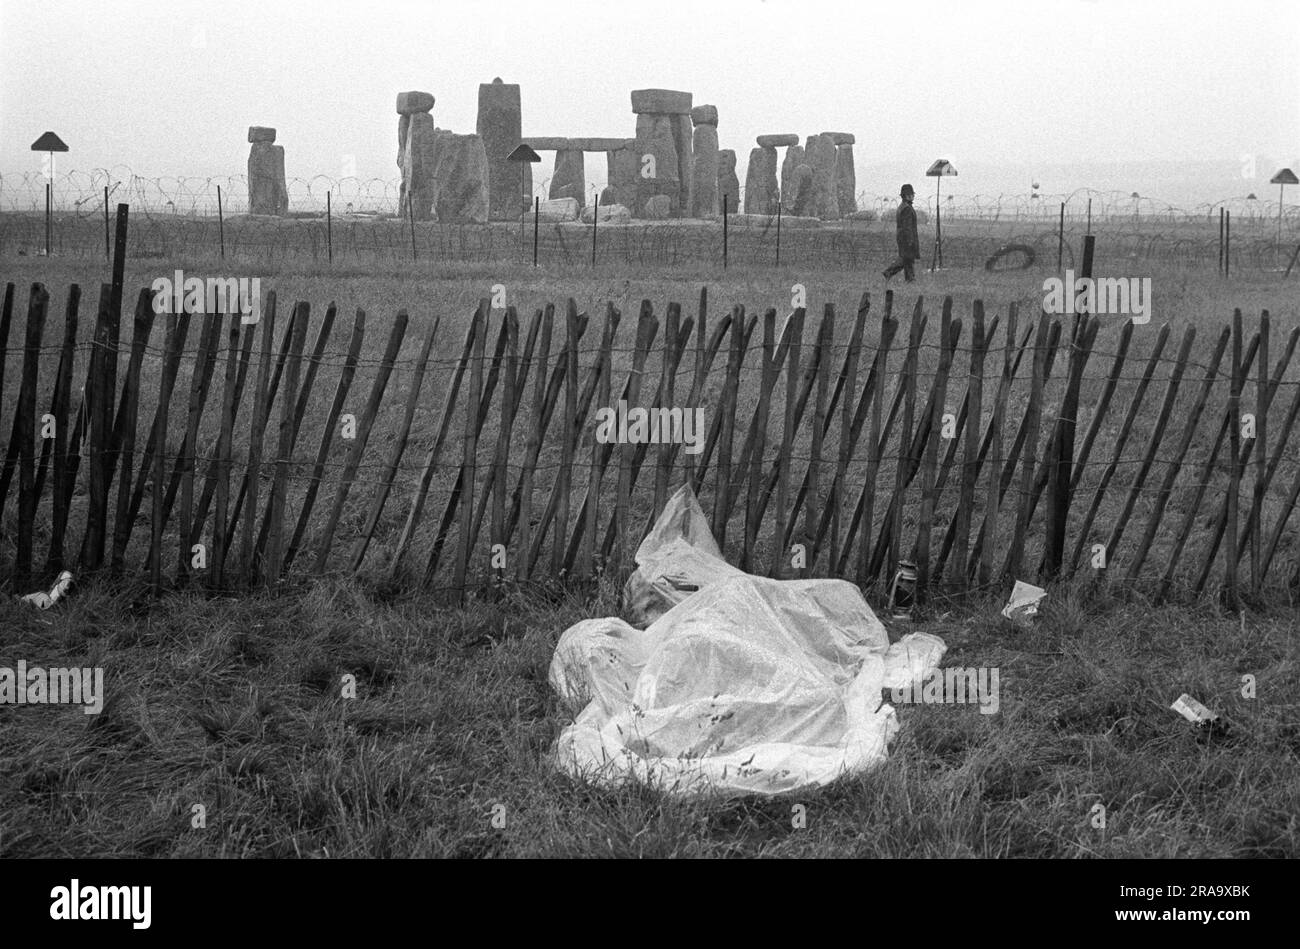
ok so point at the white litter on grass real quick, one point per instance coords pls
(1023, 605)
(739, 683)
(42, 600)
(1192, 710)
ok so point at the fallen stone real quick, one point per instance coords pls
(261, 133)
(409, 103)
(658, 207)
(608, 214)
(704, 115)
(558, 210)
(661, 101)
(777, 141)
(866, 216)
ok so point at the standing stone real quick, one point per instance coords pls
(846, 179)
(569, 179)
(418, 161)
(728, 183)
(415, 154)
(663, 129)
(621, 171)
(704, 148)
(403, 126)
(654, 136)
(267, 193)
(802, 196)
(761, 192)
(794, 157)
(609, 213)
(820, 155)
(685, 161)
(461, 178)
(500, 119)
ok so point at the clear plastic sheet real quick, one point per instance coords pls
(739, 684)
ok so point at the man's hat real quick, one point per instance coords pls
(907, 189)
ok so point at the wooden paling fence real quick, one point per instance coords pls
(210, 452)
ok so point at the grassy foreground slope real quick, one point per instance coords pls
(236, 705)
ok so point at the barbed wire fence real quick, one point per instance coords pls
(178, 216)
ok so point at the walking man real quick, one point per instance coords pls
(909, 245)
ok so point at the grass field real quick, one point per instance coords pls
(234, 703)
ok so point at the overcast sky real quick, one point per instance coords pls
(169, 88)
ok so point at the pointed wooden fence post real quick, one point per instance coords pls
(358, 447)
(470, 455)
(25, 434)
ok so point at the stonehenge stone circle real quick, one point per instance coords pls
(673, 167)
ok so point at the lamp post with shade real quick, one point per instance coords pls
(1283, 178)
(940, 169)
(51, 143)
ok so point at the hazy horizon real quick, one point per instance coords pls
(1006, 92)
